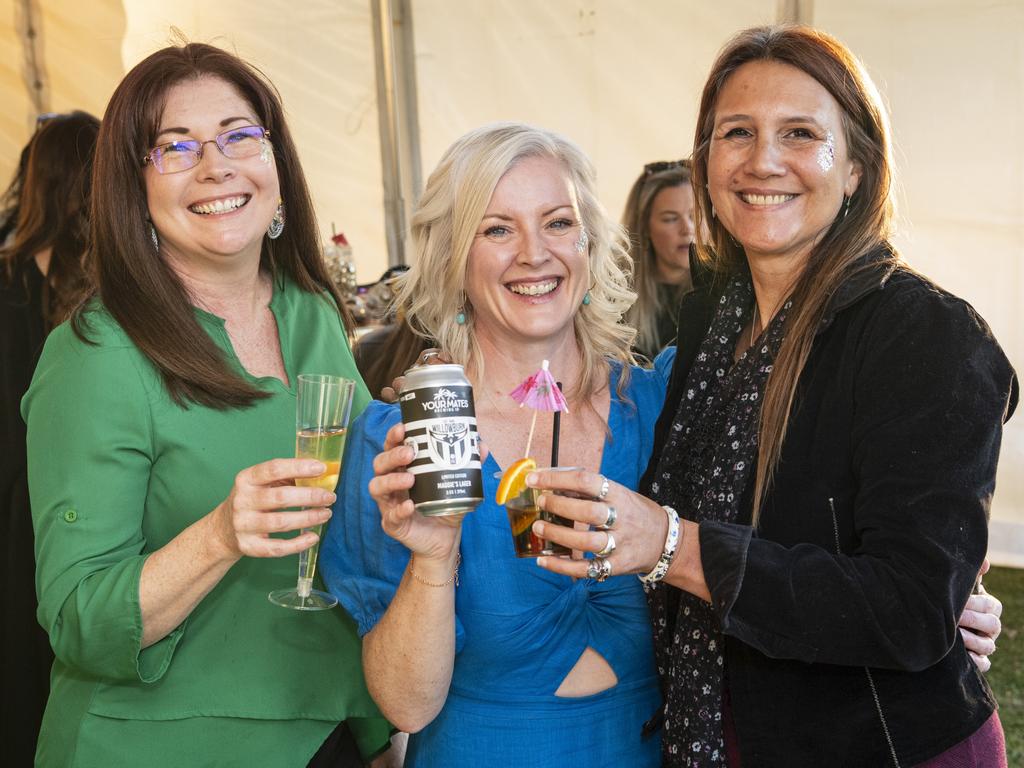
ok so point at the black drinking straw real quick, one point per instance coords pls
(554, 432)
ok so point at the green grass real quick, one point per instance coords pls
(1007, 674)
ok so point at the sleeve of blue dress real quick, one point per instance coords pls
(89, 458)
(361, 565)
(663, 366)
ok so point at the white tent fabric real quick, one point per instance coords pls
(622, 78)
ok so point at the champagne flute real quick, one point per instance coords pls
(322, 413)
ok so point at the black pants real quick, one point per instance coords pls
(25, 655)
(338, 751)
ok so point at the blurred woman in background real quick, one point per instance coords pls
(659, 219)
(42, 277)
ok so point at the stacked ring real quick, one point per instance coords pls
(609, 547)
(609, 521)
(600, 568)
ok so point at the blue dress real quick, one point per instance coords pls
(519, 629)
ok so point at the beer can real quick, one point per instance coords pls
(440, 425)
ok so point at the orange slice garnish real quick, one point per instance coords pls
(514, 480)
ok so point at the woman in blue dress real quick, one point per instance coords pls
(474, 651)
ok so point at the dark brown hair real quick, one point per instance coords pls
(137, 287)
(864, 226)
(380, 364)
(52, 211)
(636, 218)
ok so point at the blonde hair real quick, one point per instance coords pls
(445, 222)
(636, 218)
(864, 225)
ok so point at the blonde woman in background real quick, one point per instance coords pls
(659, 219)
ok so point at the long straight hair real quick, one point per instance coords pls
(862, 227)
(136, 285)
(636, 218)
(53, 211)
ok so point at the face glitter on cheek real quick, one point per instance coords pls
(267, 154)
(827, 153)
(581, 244)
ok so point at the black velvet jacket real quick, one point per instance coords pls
(840, 610)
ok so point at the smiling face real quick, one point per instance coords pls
(778, 166)
(525, 275)
(214, 214)
(671, 231)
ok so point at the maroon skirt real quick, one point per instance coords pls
(985, 748)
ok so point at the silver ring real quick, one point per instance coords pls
(604, 489)
(608, 521)
(427, 354)
(608, 548)
(600, 568)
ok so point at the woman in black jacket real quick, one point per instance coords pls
(829, 442)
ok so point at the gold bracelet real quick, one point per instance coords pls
(454, 577)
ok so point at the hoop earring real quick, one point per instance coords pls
(154, 238)
(277, 223)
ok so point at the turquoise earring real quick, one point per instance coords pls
(460, 318)
(586, 299)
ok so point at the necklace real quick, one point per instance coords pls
(497, 407)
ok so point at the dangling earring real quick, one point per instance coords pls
(714, 213)
(154, 238)
(846, 207)
(277, 223)
(460, 317)
(586, 299)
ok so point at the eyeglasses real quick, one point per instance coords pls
(238, 143)
(46, 117)
(665, 165)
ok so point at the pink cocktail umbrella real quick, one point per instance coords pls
(541, 393)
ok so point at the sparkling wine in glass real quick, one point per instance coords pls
(322, 412)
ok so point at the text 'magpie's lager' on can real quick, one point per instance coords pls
(440, 425)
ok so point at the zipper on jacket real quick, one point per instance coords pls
(867, 671)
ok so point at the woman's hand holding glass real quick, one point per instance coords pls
(428, 537)
(256, 506)
(638, 529)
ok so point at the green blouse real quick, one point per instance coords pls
(116, 470)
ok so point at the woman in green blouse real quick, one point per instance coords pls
(158, 420)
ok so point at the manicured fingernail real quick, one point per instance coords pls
(316, 466)
(325, 515)
(329, 498)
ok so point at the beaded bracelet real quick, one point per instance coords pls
(660, 569)
(454, 577)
